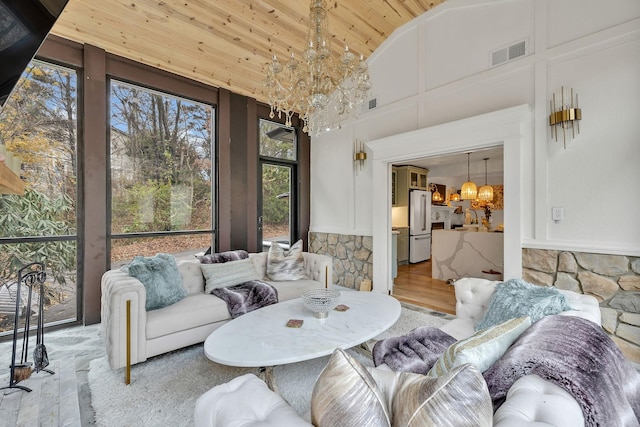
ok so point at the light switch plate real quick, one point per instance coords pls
(557, 213)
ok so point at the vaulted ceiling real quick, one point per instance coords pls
(226, 43)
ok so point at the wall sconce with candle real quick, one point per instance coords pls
(568, 114)
(359, 155)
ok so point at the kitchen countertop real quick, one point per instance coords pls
(457, 254)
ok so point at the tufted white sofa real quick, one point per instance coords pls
(531, 401)
(189, 321)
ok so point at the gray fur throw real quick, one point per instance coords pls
(415, 352)
(247, 296)
(578, 356)
(221, 257)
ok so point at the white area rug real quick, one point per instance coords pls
(164, 389)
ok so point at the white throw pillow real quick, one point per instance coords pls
(228, 274)
(481, 349)
(285, 265)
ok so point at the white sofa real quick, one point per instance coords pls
(531, 401)
(189, 321)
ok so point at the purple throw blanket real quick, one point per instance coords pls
(415, 352)
(578, 356)
(247, 296)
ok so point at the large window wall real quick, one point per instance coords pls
(38, 125)
(209, 195)
(162, 176)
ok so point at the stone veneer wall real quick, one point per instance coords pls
(352, 256)
(613, 279)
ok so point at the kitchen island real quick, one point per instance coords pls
(457, 254)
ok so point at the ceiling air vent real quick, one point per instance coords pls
(509, 53)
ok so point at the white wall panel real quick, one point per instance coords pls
(394, 70)
(572, 19)
(495, 92)
(594, 177)
(459, 41)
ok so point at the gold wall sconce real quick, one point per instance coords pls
(566, 115)
(359, 155)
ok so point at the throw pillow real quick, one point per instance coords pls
(517, 298)
(345, 394)
(161, 279)
(223, 257)
(228, 273)
(460, 398)
(285, 265)
(481, 349)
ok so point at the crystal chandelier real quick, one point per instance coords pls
(321, 79)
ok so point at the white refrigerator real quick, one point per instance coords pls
(419, 226)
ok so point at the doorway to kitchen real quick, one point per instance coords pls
(425, 280)
(510, 128)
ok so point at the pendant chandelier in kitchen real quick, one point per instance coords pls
(469, 189)
(485, 193)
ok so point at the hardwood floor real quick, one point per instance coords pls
(414, 285)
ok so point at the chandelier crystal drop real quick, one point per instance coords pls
(319, 81)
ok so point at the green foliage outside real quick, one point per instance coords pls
(276, 180)
(35, 214)
(161, 162)
(38, 124)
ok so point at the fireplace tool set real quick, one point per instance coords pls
(31, 275)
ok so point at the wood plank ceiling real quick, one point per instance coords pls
(226, 43)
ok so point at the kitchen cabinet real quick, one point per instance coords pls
(417, 178)
(409, 178)
(403, 246)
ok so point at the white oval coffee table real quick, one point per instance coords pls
(261, 339)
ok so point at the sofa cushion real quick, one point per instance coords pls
(192, 277)
(346, 394)
(292, 289)
(189, 313)
(228, 274)
(285, 265)
(481, 349)
(517, 298)
(161, 279)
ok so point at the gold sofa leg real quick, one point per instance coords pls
(127, 372)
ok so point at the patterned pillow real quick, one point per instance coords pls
(161, 279)
(348, 394)
(481, 349)
(460, 398)
(223, 257)
(345, 394)
(228, 274)
(285, 265)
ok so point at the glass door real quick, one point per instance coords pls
(274, 222)
(278, 163)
